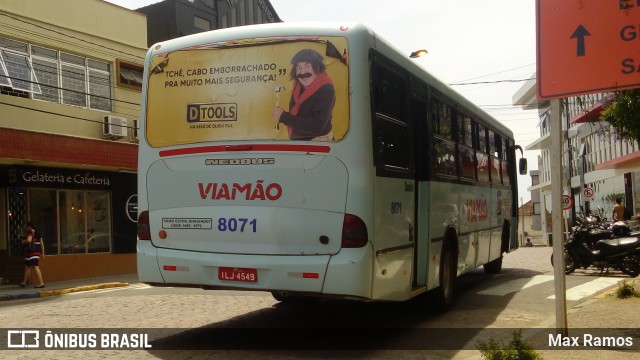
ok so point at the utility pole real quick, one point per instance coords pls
(556, 214)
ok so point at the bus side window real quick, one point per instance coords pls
(445, 157)
(444, 147)
(494, 145)
(465, 147)
(467, 164)
(393, 143)
(482, 160)
(504, 158)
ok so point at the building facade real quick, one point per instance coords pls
(70, 85)
(594, 157)
(70, 92)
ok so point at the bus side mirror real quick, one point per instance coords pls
(522, 166)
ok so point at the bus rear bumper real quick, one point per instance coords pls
(348, 273)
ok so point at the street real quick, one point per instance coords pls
(182, 322)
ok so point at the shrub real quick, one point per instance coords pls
(626, 290)
(517, 349)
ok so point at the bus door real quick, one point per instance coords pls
(394, 188)
(419, 115)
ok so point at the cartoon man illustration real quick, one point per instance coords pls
(312, 99)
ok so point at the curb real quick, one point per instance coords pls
(55, 292)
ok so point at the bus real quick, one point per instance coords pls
(316, 160)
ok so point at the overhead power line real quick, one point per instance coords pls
(492, 82)
(59, 114)
(496, 73)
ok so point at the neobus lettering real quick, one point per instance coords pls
(216, 191)
(242, 161)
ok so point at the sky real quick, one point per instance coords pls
(491, 42)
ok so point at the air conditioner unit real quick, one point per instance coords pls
(133, 133)
(114, 127)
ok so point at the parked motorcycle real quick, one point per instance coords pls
(618, 253)
(600, 228)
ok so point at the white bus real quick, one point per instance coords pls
(316, 161)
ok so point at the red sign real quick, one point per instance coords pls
(587, 46)
(567, 202)
(588, 194)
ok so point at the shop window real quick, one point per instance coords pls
(42, 213)
(98, 221)
(72, 221)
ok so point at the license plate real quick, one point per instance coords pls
(237, 274)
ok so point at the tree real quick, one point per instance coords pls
(623, 113)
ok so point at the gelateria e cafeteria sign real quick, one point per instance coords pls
(59, 178)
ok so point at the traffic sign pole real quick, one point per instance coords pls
(556, 210)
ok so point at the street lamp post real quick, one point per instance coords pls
(418, 53)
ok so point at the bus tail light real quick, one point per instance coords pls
(144, 229)
(354, 232)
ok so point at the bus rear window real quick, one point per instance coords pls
(264, 90)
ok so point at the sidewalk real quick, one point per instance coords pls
(15, 292)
